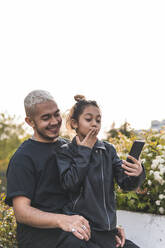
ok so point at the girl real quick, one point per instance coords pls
(88, 167)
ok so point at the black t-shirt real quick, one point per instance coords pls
(33, 172)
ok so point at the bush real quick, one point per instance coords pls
(7, 225)
(150, 197)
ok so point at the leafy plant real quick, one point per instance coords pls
(150, 197)
(7, 225)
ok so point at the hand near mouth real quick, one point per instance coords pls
(90, 138)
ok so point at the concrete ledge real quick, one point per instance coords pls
(146, 230)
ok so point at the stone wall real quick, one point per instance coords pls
(146, 230)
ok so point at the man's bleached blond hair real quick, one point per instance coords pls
(35, 97)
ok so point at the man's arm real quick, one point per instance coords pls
(31, 216)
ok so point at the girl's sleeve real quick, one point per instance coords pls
(73, 167)
(124, 181)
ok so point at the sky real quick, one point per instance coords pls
(110, 51)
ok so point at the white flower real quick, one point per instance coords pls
(158, 177)
(161, 196)
(161, 210)
(143, 160)
(149, 182)
(157, 135)
(146, 150)
(151, 172)
(160, 146)
(162, 170)
(163, 137)
(162, 182)
(160, 159)
(160, 166)
(154, 164)
(158, 202)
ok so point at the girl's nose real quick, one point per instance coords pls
(94, 123)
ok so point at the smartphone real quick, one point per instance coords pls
(136, 150)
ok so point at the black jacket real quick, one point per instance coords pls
(88, 176)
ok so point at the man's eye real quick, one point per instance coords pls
(45, 118)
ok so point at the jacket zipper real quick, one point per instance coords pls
(77, 199)
(102, 175)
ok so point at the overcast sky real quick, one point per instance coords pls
(110, 51)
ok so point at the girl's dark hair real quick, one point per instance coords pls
(78, 108)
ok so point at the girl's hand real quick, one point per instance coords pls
(132, 169)
(120, 238)
(90, 138)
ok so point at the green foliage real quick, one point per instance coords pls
(7, 225)
(125, 129)
(150, 197)
(11, 136)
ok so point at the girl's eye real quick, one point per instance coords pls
(88, 120)
(98, 121)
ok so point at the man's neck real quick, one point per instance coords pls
(34, 137)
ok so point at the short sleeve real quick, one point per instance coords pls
(20, 178)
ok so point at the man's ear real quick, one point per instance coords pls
(29, 121)
(74, 124)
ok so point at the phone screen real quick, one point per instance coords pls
(136, 150)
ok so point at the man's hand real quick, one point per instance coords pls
(134, 169)
(120, 238)
(90, 138)
(34, 217)
(76, 224)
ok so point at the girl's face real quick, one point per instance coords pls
(90, 118)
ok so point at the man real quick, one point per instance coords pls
(33, 187)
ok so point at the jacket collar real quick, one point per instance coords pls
(98, 145)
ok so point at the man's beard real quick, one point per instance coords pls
(44, 136)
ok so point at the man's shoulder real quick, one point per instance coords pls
(66, 147)
(22, 150)
(22, 147)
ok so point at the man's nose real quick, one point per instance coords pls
(54, 121)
